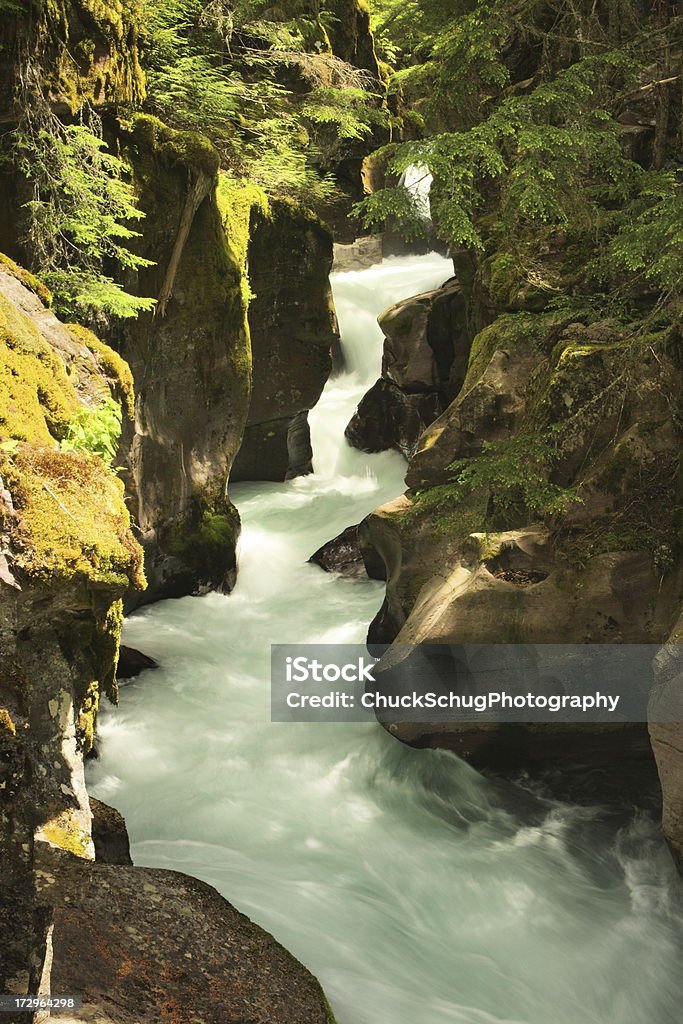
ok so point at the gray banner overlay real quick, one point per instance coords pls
(494, 683)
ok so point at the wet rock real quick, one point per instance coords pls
(341, 555)
(143, 944)
(109, 834)
(132, 662)
(424, 363)
(387, 418)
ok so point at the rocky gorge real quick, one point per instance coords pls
(538, 427)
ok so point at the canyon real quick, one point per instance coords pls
(405, 449)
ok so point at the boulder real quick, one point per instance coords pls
(424, 362)
(109, 834)
(143, 945)
(132, 662)
(387, 418)
(341, 555)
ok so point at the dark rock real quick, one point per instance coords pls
(190, 365)
(341, 555)
(143, 944)
(350, 34)
(109, 834)
(132, 663)
(427, 344)
(350, 555)
(388, 418)
(424, 363)
(293, 330)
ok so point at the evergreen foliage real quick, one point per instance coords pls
(275, 111)
(528, 109)
(79, 216)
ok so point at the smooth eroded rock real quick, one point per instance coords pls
(388, 418)
(293, 331)
(424, 362)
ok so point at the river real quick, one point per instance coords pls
(416, 890)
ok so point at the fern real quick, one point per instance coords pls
(95, 430)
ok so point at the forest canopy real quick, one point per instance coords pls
(540, 120)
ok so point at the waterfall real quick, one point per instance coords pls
(416, 890)
(418, 179)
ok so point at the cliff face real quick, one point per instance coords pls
(190, 361)
(84, 51)
(500, 540)
(293, 330)
(66, 558)
(236, 352)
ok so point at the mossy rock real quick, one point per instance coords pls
(511, 332)
(207, 546)
(70, 520)
(185, 149)
(37, 400)
(89, 51)
(30, 280)
(110, 363)
(239, 201)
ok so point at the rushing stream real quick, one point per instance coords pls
(417, 891)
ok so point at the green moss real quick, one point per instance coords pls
(239, 201)
(37, 400)
(104, 37)
(87, 716)
(111, 363)
(208, 544)
(66, 832)
(511, 330)
(187, 149)
(447, 512)
(72, 521)
(210, 278)
(7, 722)
(27, 279)
(504, 279)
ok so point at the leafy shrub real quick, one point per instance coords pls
(95, 430)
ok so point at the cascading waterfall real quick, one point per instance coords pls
(417, 891)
